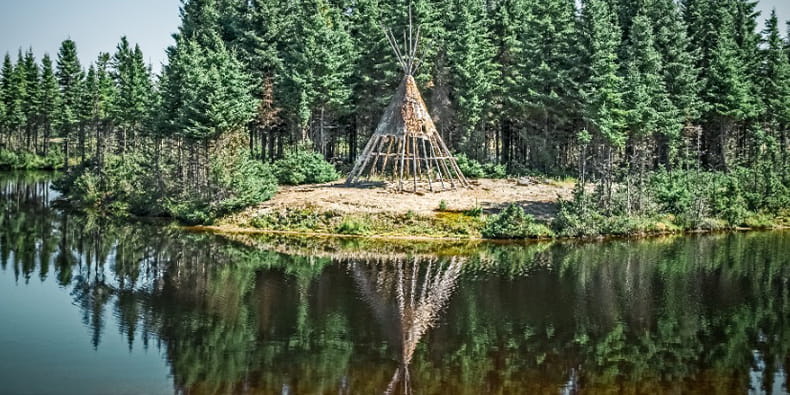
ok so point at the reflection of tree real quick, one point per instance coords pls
(407, 299)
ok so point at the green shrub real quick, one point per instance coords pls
(514, 223)
(30, 161)
(494, 170)
(290, 219)
(241, 183)
(442, 205)
(235, 184)
(578, 216)
(474, 212)
(471, 168)
(304, 167)
(352, 226)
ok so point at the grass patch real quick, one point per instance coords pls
(353, 226)
(514, 223)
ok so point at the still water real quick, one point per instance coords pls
(92, 306)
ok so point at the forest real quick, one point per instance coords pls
(652, 106)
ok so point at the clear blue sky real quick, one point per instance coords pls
(97, 25)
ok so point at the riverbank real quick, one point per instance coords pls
(380, 212)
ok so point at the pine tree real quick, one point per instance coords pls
(474, 73)
(31, 100)
(205, 93)
(604, 112)
(13, 95)
(131, 104)
(727, 91)
(775, 82)
(317, 68)
(509, 31)
(49, 101)
(679, 72)
(550, 85)
(649, 111)
(69, 73)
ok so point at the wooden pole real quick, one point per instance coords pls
(402, 159)
(428, 165)
(414, 160)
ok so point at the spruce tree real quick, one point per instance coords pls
(474, 73)
(13, 96)
(679, 71)
(550, 85)
(604, 108)
(31, 100)
(376, 72)
(727, 92)
(649, 111)
(317, 68)
(49, 101)
(775, 82)
(508, 96)
(69, 73)
(133, 82)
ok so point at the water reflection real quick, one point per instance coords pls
(407, 298)
(704, 314)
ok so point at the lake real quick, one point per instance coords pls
(90, 305)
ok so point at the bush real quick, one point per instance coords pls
(578, 216)
(352, 226)
(234, 185)
(304, 167)
(514, 223)
(30, 161)
(123, 184)
(474, 169)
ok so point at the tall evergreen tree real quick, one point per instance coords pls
(727, 92)
(31, 100)
(603, 89)
(775, 81)
(69, 73)
(49, 101)
(317, 67)
(131, 104)
(550, 77)
(376, 73)
(509, 32)
(471, 56)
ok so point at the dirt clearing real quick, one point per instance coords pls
(536, 197)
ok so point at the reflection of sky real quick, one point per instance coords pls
(45, 348)
(96, 25)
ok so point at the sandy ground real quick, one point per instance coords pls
(538, 198)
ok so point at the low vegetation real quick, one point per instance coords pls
(23, 160)
(304, 167)
(514, 223)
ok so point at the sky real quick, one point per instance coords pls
(97, 25)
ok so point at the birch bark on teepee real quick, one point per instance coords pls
(406, 143)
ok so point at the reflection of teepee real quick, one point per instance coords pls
(406, 299)
(406, 144)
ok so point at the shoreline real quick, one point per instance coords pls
(233, 230)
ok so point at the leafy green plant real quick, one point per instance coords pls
(442, 205)
(304, 167)
(514, 223)
(473, 169)
(352, 226)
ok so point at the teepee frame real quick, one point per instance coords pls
(406, 144)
